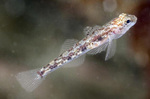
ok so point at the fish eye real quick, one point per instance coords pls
(128, 21)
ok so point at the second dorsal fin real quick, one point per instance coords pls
(68, 44)
(76, 62)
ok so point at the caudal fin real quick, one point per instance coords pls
(29, 80)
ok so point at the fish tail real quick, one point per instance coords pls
(30, 80)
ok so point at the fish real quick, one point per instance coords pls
(96, 40)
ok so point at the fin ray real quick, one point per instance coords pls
(68, 44)
(89, 30)
(98, 49)
(29, 80)
(111, 49)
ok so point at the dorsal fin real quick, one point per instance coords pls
(89, 30)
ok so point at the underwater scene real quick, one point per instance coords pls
(74, 49)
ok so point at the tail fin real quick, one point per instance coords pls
(29, 80)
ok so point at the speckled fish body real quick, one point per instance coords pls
(96, 40)
(96, 37)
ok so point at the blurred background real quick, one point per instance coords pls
(31, 35)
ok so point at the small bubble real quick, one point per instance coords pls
(97, 77)
(13, 51)
(109, 5)
(14, 44)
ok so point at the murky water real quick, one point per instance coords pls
(31, 35)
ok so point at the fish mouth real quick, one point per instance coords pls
(134, 18)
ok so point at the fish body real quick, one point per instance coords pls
(97, 39)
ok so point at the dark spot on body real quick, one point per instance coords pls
(71, 54)
(69, 58)
(46, 65)
(40, 73)
(70, 49)
(77, 44)
(64, 58)
(55, 65)
(51, 67)
(93, 32)
(83, 48)
(99, 38)
(94, 38)
(60, 55)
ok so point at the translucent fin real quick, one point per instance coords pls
(96, 27)
(98, 49)
(89, 30)
(68, 44)
(76, 62)
(111, 49)
(29, 80)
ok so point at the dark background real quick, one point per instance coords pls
(31, 35)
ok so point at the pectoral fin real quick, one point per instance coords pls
(111, 49)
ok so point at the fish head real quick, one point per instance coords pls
(123, 23)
